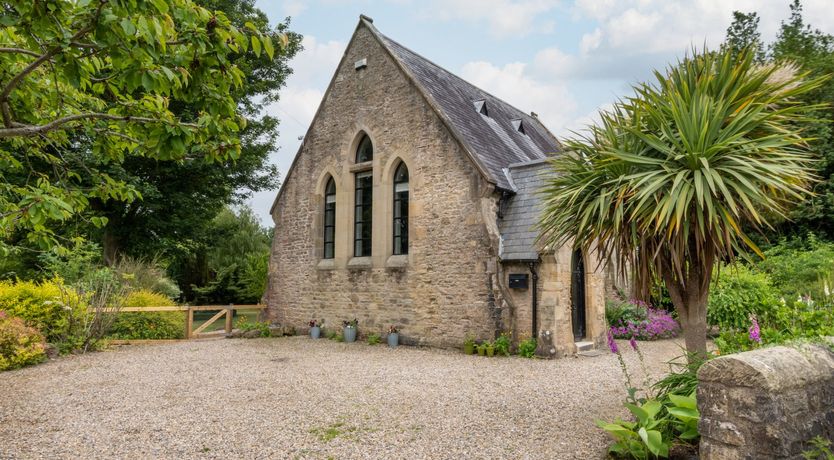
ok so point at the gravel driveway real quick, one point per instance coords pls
(299, 398)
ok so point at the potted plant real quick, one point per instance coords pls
(350, 330)
(490, 349)
(393, 336)
(315, 328)
(469, 345)
(482, 349)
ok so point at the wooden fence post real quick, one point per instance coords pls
(189, 322)
(229, 313)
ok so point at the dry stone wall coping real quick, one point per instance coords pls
(767, 403)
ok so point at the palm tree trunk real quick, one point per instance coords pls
(690, 300)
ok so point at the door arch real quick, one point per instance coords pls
(577, 295)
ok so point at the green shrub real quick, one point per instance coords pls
(148, 325)
(620, 312)
(682, 381)
(791, 321)
(527, 347)
(52, 308)
(73, 264)
(146, 275)
(736, 293)
(658, 425)
(245, 325)
(800, 268)
(820, 449)
(374, 339)
(502, 345)
(20, 345)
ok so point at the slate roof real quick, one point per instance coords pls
(521, 212)
(493, 141)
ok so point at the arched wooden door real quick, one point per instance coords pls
(577, 294)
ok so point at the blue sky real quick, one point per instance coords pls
(564, 60)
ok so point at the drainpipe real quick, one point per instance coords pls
(535, 279)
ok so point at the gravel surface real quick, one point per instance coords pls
(302, 398)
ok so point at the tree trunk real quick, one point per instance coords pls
(693, 318)
(111, 247)
(690, 300)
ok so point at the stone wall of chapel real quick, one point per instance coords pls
(444, 288)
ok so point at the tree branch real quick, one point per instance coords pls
(4, 96)
(20, 51)
(32, 130)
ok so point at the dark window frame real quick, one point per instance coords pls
(363, 214)
(400, 211)
(329, 245)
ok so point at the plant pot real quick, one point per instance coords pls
(393, 340)
(349, 334)
(315, 332)
(468, 348)
(490, 351)
(481, 351)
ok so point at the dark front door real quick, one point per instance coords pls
(577, 294)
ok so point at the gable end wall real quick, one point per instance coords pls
(444, 288)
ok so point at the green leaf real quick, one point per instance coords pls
(267, 42)
(654, 441)
(256, 46)
(127, 26)
(688, 402)
(161, 5)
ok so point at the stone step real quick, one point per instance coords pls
(584, 346)
(589, 353)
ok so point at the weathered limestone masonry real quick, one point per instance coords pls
(444, 287)
(766, 404)
(475, 165)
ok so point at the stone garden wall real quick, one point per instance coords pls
(766, 404)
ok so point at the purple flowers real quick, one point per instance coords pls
(633, 342)
(612, 345)
(658, 324)
(755, 333)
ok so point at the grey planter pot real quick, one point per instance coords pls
(315, 332)
(393, 340)
(350, 334)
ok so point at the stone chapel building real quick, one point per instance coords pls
(412, 202)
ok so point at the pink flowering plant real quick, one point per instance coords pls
(635, 319)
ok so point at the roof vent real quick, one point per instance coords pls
(480, 106)
(518, 125)
(361, 64)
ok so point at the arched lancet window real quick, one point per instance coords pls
(365, 151)
(363, 201)
(329, 218)
(401, 210)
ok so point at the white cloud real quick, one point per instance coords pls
(293, 7)
(506, 18)
(590, 41)
(552, 101)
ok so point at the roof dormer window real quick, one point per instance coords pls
(481, 107)
(518, 125)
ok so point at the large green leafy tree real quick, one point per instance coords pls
(180, 198)
(86, 84)
(672, 176)
(232, 268)
(797, 43)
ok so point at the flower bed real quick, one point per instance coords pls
(637, 319)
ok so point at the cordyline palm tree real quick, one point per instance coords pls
(673, 178)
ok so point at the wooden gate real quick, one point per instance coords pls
(224, 310)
